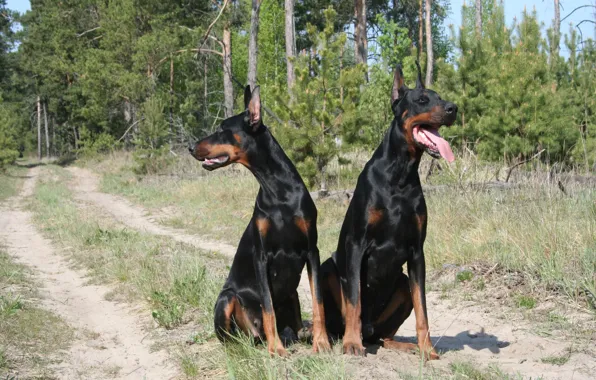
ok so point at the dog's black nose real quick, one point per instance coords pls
(191, 148)
(450, 108)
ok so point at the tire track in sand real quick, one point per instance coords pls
(109, 340)
(464, 332)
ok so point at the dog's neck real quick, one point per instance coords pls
(401, 163)
(272, 168)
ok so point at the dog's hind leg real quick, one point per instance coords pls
(230, 315)
(398, 309)
(224, 308)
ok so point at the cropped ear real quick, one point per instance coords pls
(254, 109)
(246, 96)
(399, 89)
(419, 82)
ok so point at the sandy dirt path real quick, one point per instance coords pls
(109, 340)
(86, 186)
(465, 332)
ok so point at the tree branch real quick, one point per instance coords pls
(213, 23)
(88, 31)
(521, 163)
(580, 7)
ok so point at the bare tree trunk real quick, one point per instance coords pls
(38, 128)
(557, 30)
(227, 78)
(479, 17)
(205, 95)
(420, 30)
(76, 137)
(45, 123)
(171, 99)
(360, 40)
(429, 47)
(252, 43)
(290, 43)
(54, 137)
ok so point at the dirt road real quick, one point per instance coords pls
(463, 331)
(109, 337)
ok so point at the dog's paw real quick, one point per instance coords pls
(428, 353)
(278, 350)
(354, 348)
(321, 343)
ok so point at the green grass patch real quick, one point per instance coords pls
(11, 181)
(525, 302)
(556, 360)
(30, 337)
(180, 283)
(467, 370)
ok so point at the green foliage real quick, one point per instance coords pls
(326, 97)
(393, 41)
(9, 125)
(153, 150)
(510, 105)
(91, 146)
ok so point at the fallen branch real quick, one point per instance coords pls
(521, 163)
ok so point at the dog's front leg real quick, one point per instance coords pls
(274, 344)
(417, 275)
(320, 340)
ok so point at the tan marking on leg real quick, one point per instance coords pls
(422, 330)
(398, 298)
(352, 340)
(274, 344)
(243, 321)
(320, 340)
(390, 344)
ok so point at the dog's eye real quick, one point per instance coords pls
(423, 100)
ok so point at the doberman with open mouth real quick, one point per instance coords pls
(260, 295)
(366, 294)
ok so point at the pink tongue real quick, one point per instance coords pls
(441, 143)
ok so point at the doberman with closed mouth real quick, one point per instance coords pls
(366, 294)
(260, 295)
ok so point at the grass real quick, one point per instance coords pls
(534, 230)
(179, 282)
(467, 370)
(30, 337)
(11, 181)
(556, 360)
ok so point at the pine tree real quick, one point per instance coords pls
(321, 113)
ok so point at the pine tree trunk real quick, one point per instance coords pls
(38, 129)
(45, 123)
(479, 17)
(429, 47)
(290, 42)
(54, 137)
(171, 100)
(360, 40)
(557, 31)
(227, 66)
(252, 43)
(420, 30)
